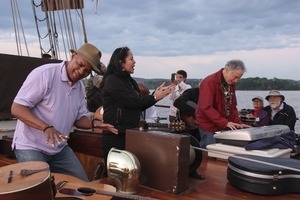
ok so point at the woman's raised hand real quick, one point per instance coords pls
(162, 91)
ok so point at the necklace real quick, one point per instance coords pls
(227, 97)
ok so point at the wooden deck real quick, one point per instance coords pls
(215, 186)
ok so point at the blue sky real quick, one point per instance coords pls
(199, 36)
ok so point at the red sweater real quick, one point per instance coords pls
(210, 113)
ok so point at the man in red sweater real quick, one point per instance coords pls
(216, 110)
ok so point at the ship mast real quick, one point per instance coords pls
(61, 23)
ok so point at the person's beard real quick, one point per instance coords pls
(275, 105)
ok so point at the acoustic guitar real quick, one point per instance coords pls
(69, 186)
(189, 120)
(27, 180)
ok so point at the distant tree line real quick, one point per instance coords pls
(243, 84)
(267, 84)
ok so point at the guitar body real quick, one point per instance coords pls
(267, 176)
(189, 120)
(36, 186)
(70, 189)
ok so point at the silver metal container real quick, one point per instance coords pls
(123, 170)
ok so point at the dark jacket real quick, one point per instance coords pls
(286, 116)
(123, 103)
(187, 102)
(263, 118)
(94, 99)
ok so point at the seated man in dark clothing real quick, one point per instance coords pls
(279, 111)
(94, 95)
(186, 105)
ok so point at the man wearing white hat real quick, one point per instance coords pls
(49, 103)
(279, 111)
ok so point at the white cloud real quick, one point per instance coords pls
(199, 36)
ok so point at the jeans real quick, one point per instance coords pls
(64, 162)
(206, 138)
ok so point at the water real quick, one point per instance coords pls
(244, 100)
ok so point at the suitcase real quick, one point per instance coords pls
(164, 159)
(265, 176)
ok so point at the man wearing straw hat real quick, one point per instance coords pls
(279, 111)
(49, 103)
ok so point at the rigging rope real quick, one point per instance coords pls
(63, 33)
(49, 22)
(18, 22)
(72, 38)
(34, 6)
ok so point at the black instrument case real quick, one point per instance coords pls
(264, 175)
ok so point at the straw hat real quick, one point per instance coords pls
(258, 97)
(274, 93)
(91, 54)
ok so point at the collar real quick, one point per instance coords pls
(64, 75)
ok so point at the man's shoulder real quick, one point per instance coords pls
(264, 112)
(48, 67)
(267, 108)
(215, 77)
(287, 106)
(51, 65)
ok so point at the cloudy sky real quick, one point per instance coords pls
(199, 36)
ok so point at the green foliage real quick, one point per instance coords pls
(154, 83)
(267, 84)
(243, 84)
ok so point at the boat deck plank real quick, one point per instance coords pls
(215, 187)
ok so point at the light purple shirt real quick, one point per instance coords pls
(47, 91)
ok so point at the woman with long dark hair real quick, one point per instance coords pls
(122, 101)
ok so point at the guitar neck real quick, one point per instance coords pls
(122, 195)
(177, 126)
(158, 125)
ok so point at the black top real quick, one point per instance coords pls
(94, 99)
(122, 102)
(187, 102)
(286, 116)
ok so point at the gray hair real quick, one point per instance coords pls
(236, 64)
